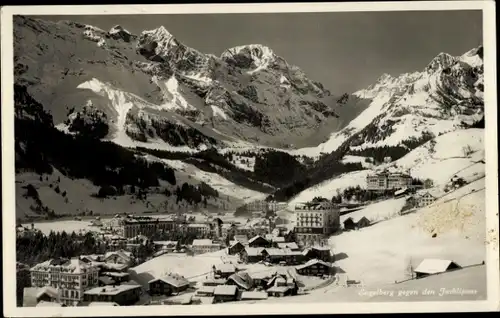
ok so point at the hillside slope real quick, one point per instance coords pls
(459, 153)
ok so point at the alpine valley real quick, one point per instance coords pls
(109, 121)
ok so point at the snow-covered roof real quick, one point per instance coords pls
(253, 295)
(202, 242)
(276, 289)
(225, 290)
(433, 266)
(313, 262)
(198, 225)
(290, 245)
(102, 303)
(206, 289)
(166, 243)
(111, 290)
(115, 274)
(48, 304)
(172, 279)
(49, 290)
(241, 238)
(253, 239)
(225, 268)
(254, 251)
(74, 265)
(400, 191)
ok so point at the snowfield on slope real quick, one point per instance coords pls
(456, 153)
(329, 188)
(381, 253)
(219, 183)
(459, 152)
(376, 212)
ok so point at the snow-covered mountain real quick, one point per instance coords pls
(154, 89)
(414, 107)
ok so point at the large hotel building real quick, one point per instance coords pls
(147, 226)
(70, 277)
(315, 221)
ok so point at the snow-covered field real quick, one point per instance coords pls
(194, 268)
(447, 158)
(469, 279)
(358, 159)
(329, 188)
(378, 211)
(381, 253)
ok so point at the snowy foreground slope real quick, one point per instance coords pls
(381, 253)
(459, 153)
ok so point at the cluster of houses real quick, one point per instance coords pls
(276, 251)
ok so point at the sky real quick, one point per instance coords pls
(345, 51)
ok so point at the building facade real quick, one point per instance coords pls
(315, 221)
(426, 199)
(204, 246)
(123, 295)
(71, 277)
(388, 181)
(134, 226)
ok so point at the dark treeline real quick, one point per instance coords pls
(36, 247)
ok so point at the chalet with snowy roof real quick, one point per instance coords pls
(166, 245)
(425, 199)
(205, 291)
(288, 245)
(123, 295)
(243, 239)
(204, 246)
(349, 224)
(315, 267)
(235, 248)
(103, 304)
(282, 285)
(251, 254)
(401, 192)
(318, 252)
(363, 222)
(224, 270)
(49, 304)
(259, 278)
(258, 241)
(215, 282)
(118, 277)
(241, 279)
(435, 266)
(33, 295)
(225, 293)
(168, 285)
(119, 257)
(253, 295)
(277, 255)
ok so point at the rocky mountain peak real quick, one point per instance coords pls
(441, 61)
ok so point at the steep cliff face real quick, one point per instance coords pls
(151, 83)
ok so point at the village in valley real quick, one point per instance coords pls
(184, 259)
